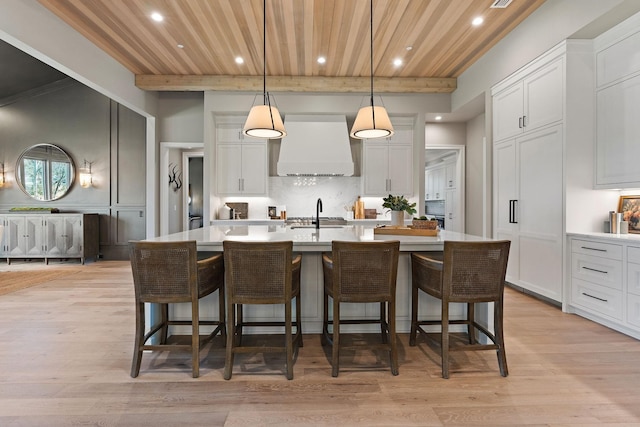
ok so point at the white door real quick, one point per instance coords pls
(375, 164)
(540, 211)
(228, 168)
(507, 112)
(505, 209)
(254, 169)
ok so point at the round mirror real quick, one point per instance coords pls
(45, 172)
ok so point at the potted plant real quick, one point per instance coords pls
(398, 206)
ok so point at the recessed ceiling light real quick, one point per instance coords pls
(438, 118)
(322, 60)
(409, 47)
(397, 62)
(180, 46)
(157, 17)
(478, 20)
(239, 60)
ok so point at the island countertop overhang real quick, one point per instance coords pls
(210, 238)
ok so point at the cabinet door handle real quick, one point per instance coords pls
(512, 211)
(593, 249)
(520, 122)
(596, 270)
(594, 297)
(524, 121)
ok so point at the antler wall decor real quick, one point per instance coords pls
(175, 177)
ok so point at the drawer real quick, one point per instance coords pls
(605, 250)
(596, 299)
(633, 310)
(601, 271)
(633, 254)
(633, 278)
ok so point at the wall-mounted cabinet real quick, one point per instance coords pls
(435, 177)
(618, 107)
(530, 103)
(241, 162)
(387, 164)
(50, 236)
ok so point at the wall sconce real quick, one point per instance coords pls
(1, 174)
(85, 175)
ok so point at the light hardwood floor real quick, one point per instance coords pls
(65, 355)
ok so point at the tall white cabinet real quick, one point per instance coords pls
(543, 163)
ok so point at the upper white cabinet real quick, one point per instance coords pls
(618, 107)
(241, 162)
(529, 103)
(435, 177)
(387, 163)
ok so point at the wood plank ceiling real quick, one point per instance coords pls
(434, 39)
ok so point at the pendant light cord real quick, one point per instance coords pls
(373, 114)
(267, 101)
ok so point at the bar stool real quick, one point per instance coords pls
(467, 272)
(167, 273)
(262, 273)
(361, 272)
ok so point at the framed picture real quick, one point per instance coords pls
(630, 208)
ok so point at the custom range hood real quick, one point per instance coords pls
(315, 145)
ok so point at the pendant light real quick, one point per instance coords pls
(264, 121)
(372, 121)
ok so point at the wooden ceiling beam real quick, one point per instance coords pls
(295, 84)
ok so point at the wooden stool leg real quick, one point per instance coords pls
(164, 318)
(414, 315)
(499, 335)
(325, 320)
(195, 338)
(384, 325)
(139, 341)
(471, 316)
(288, 339)
(222, 315)
(392, 338)
(335, 353)
(299, 321)
(445, 340)
(231, 340)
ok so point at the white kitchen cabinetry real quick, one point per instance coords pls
(387, 164)
(618, 106)
(450, 174)
(435, 177)
(50, 236)
(241, 162)
(543, 165)
(598, 288)
(528, 209)
(530, 103)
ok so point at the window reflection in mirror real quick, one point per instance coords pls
(45, 172)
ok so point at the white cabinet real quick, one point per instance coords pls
(435, 177)
(598, 289)
(530, 103)
(618, 135)
(50, 236)
(450, 174)
(617, 54)
(241, 162)
(23, 236)
(387, 164)
(528, 209)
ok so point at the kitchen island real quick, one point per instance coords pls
(311, 242)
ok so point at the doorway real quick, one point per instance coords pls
(193, 197)
(445, 185)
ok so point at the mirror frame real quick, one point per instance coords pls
(19, 175)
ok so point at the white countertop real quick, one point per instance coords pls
(307, 239)
(610, 237)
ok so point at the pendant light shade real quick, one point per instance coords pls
(371, 121)
(264, 121)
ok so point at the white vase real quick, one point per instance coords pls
(397, 218)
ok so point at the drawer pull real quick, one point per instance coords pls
(596, 270)
(593, 249)
(591, 296)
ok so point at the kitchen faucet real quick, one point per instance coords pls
(318, 210)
